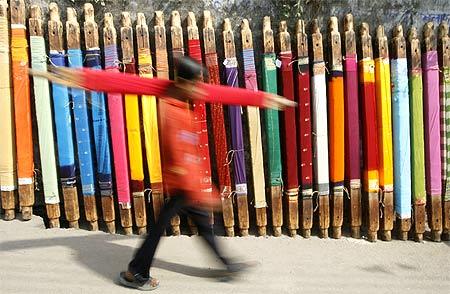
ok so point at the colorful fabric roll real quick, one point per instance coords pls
(351, 116)
(272, 124)
(100, 127)
(289, 133)
(431, 114)
(417, 137)
(44, 121)
(237, 140)
(82, 129)
(445, 93)
(118, 136)
(305, 152)
(320, 128)
(384, 123)
(254, 123)
(401, 138)
(63, 122)
(22, 104)
(8, 175)
(369, 124)
(336, 127)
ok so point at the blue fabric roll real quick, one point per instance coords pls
(82, 130)
(401, 137)
(63, 123)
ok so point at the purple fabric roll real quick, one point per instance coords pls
(237, 140)
(432, 122)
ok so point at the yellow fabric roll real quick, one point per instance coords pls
(150, 118)
(134, 137)
(384, 118)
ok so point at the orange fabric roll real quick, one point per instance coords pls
(336, 127)
(22, 107)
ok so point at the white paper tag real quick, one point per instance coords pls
(278, 63)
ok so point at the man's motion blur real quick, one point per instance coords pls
(181, 173)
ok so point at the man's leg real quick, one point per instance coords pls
(143, 258)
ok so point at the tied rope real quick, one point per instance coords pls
(118, 137)
(133, 128)
(254, 123)
(304, 139)
(82, 129)
(22, 105)
(63, 122)
(272, 125)
(200, 123)
(92, 59)
(352, 117)
(289, 130)
(7, 148)
(218, 123)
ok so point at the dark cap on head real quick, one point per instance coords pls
(188, 68)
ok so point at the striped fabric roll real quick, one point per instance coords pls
(384, 123)
(401, 138)
(63, 122)
(82, 129)
(445, 129)
(431, 113)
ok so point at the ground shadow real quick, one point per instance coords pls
(105, 257)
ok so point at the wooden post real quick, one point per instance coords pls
(209, 41)
(434, 200)
(419, 194)
(110, 39)
(399, 51)
(26, 190)
(55, 38)
(386, 178)
(254, 125)
(324, 201)
(133, 127)
(353, 182)
(73, 42)
(336, 133)
(444, 61)
(8, 197)
(162, 72)
(242, 204)
(91, 39)
(371, 202)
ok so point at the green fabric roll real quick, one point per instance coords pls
(446, 92)
(272, 125)
(417, 139)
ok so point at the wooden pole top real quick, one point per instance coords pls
(109, 31)
(444, 44)
(398, 42)
(160, 31)
(142, 35)
(72, 29)
(302, 40)
(316, 37)
(382, 43)
(126, 37)
(55, 28)
(3, 8)
(18, 13)
(429, 39)
(268, 36)
(228, 39)
(335, 44)
(90, 27)
(366, 41)
(209, 37)
(192, 27)
(349, 35)
(246, 33)
(35, 21)
(414, 48)
(285, 37)
(176, 31)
